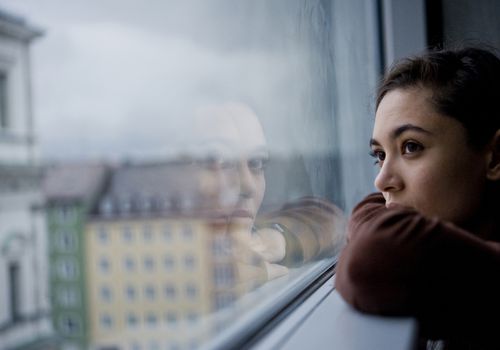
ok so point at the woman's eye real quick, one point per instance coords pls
(411, 147)
(257, 163)
(378, 155)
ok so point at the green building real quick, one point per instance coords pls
(70, 191)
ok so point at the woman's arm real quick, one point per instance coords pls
(398, 262)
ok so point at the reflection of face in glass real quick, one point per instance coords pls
(232, 148)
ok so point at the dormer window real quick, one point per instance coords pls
(106, 207)
(125, 205)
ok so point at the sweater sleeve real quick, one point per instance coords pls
(398, 262)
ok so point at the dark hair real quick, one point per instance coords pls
(464, 85)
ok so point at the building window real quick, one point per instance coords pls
(187, 232)
(105, 294)
(106, 207)
(149, 263)
(169, 262)
(191, 290)
(221, 246)
(67, 269)
(104, 265)
(67, 241)
(70, 324)
(223, 275)
(66, 213)
(129, 264)
(224, 299)
(151, 319)
(130, 292)
(4, 118)
(150, 292)
(106, 321)
(15, 292)
(147, 232)
(68, 296)
(189, 262)
(171, 317)
(170, 291)
(132, 320)
(125, 205)
(127, 234)
(102, 234)
(167, 232)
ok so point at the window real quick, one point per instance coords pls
(102, 234)
(231, 116)
(187, 232)
(168, 262)
(224, 299)
(127, 234)
(147, 232)
(68, 296)
(224, 275)
(66, 213)
(4, 118)
(150, 292)
(130, 292)
(170, 291)
(132, 320)
(167, 232)
(171, 318)
(70, 324)
(191, 290)
(14, 291)
(105, 293)
(149, 263)
(67, 241)
(189, 261)
(129, 263)
(104, 264)
(151, 319)
(106, 321)
(67, 268)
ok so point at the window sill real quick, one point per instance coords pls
(325, 321)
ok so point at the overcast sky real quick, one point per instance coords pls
(117, 78)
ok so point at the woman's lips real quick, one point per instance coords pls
(241, 213)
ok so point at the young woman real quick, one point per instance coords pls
(428, 244)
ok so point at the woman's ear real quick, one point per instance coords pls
(493, 172)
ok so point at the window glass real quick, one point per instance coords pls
(200, 156)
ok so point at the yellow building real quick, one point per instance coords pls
(155, 270)
(144, 274)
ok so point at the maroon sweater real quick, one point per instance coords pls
(398, 262)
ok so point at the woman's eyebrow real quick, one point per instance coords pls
(400, 130)
(407, 127)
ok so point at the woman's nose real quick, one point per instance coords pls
(388, 179)
(247, 182)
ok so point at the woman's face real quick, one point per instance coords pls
(424, 158)
(232, 181)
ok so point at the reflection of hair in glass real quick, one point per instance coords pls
(464, 85)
